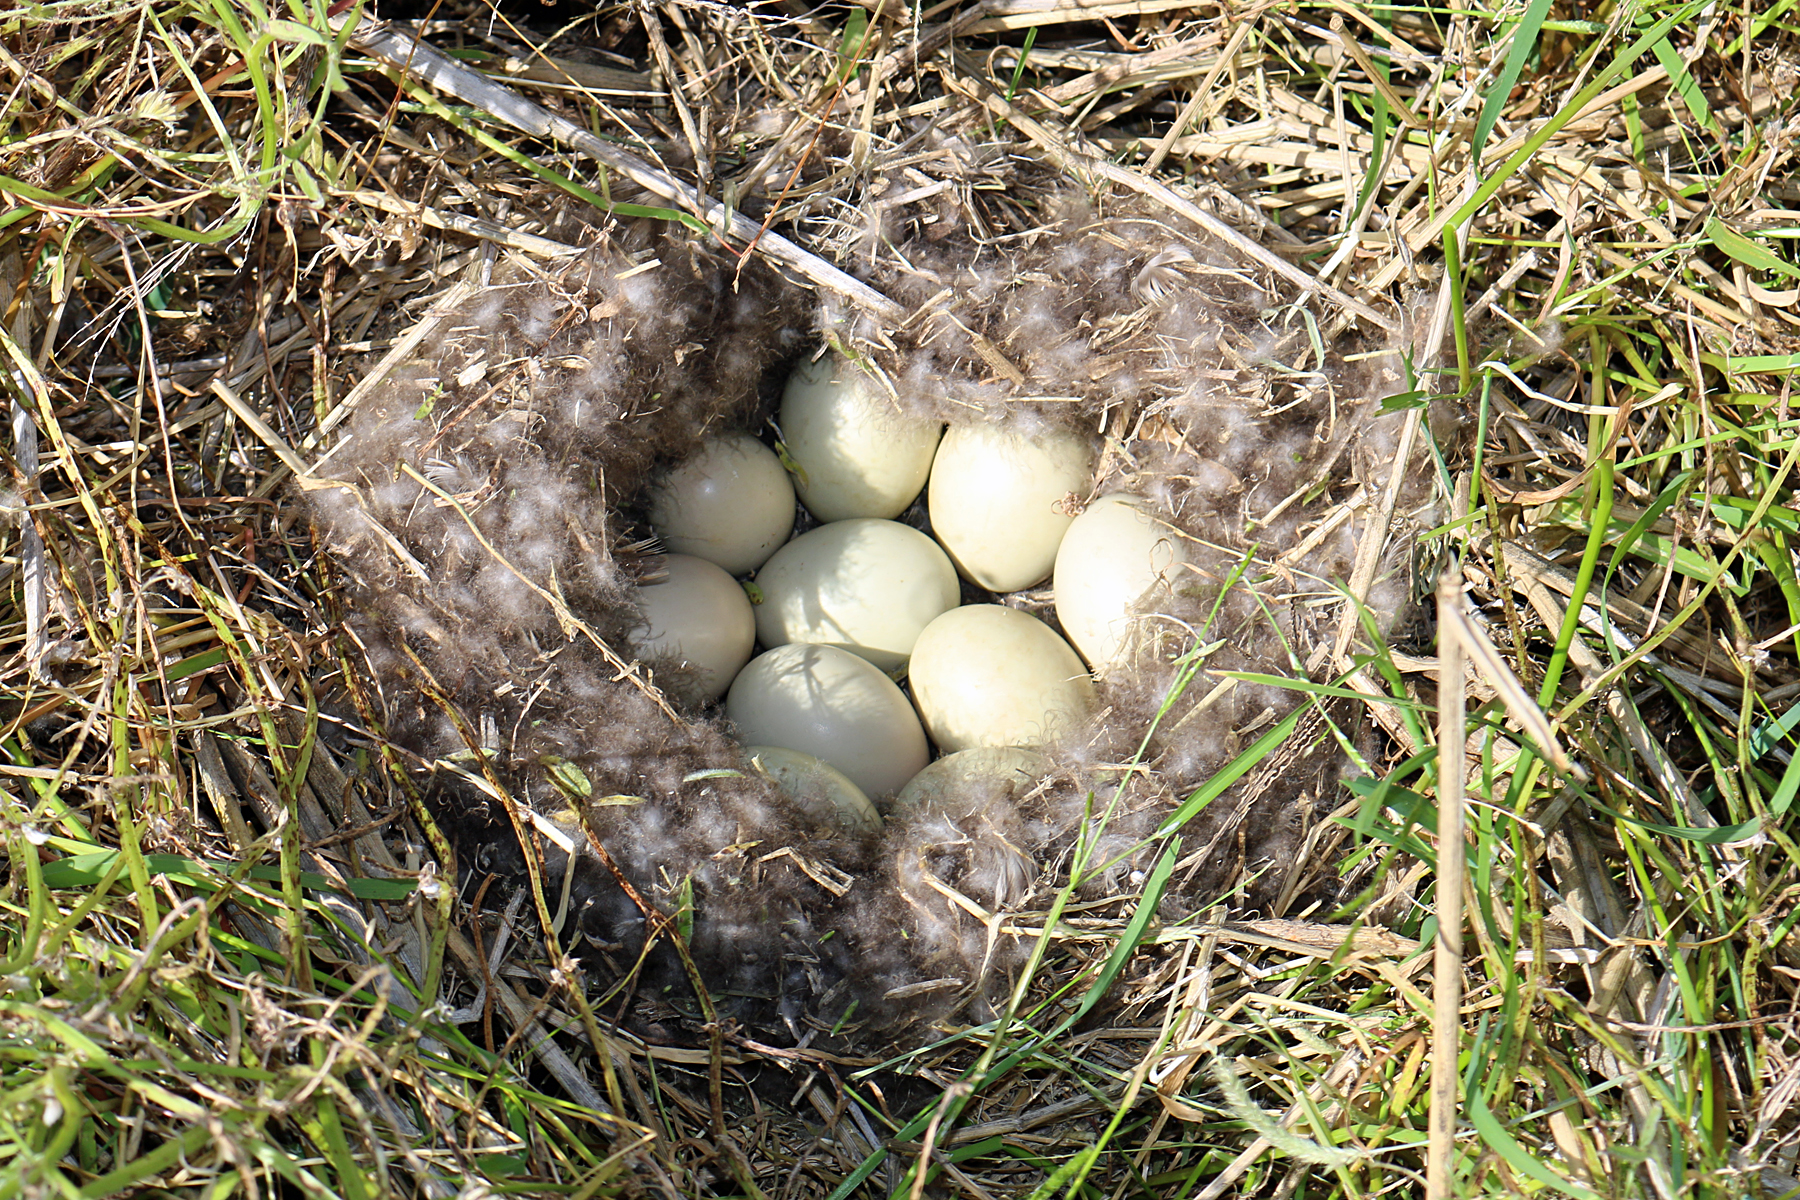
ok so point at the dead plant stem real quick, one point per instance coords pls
(1446, 992)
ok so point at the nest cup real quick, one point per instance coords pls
(489, 524)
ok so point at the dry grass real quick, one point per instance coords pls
(229, 961)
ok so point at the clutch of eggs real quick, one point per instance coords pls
(845, 609)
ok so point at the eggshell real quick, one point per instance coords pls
(699, 615)
(1110, 560)
(834, 706)
(861, 585)
(731, 504)
(986, 675)
(820, 788)
(996, 501)
(858, 454)
(963, 773)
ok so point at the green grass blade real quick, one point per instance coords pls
(1128, 942)
(1751, 253)
(1494, 1135)
(1549, 129)
(1686, 86)
(1233, 771)
(1524, 41)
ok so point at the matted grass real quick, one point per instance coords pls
(229, 962)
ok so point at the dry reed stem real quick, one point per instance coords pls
(1447, 949)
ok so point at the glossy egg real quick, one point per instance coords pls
(834, 706)
(997, 501)
(731, 504)
(825, 792)
(1116, 557)
(858, 454)
(987, 675)
(699, 616)
(969, 772)
(861, 585)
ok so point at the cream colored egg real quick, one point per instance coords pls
(731, 504)
(987, 675)
(968, 772)
(825, 792)
(861, 585)
(1116, 557)
(699, 616)
(997, 501)
(858, 454)
(834, 706)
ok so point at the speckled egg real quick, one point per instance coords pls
(987, 675)
(1110, 561)
(862, 585)
(825, 792)
(998, 500)
(731, 504)
(834, 706)
(698, 615)
(1013, 768)
(859, 455)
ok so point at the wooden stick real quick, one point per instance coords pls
(407, 54)
(1446, 990)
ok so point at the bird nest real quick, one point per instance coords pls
(485, 508)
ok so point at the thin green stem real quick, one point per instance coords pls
(1465, 377)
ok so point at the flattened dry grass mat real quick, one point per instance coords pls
(365, 838)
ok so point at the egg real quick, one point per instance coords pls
(1011, 767)
(825, 792)
(858, 454)
(1114, 554)
(987, 675)
(863, 585)
(834, 706)
(731, 504)
(997, 501)
(698, 615)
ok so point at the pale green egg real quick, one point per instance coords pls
(698, 615)
(858, 454)
(998, 501)
(987, 675)
(1010, 767)
(834, 706)
(825, 792)
(1116, 557)
(731, 504)
(861, 585)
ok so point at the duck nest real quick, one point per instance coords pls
(486, 509)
